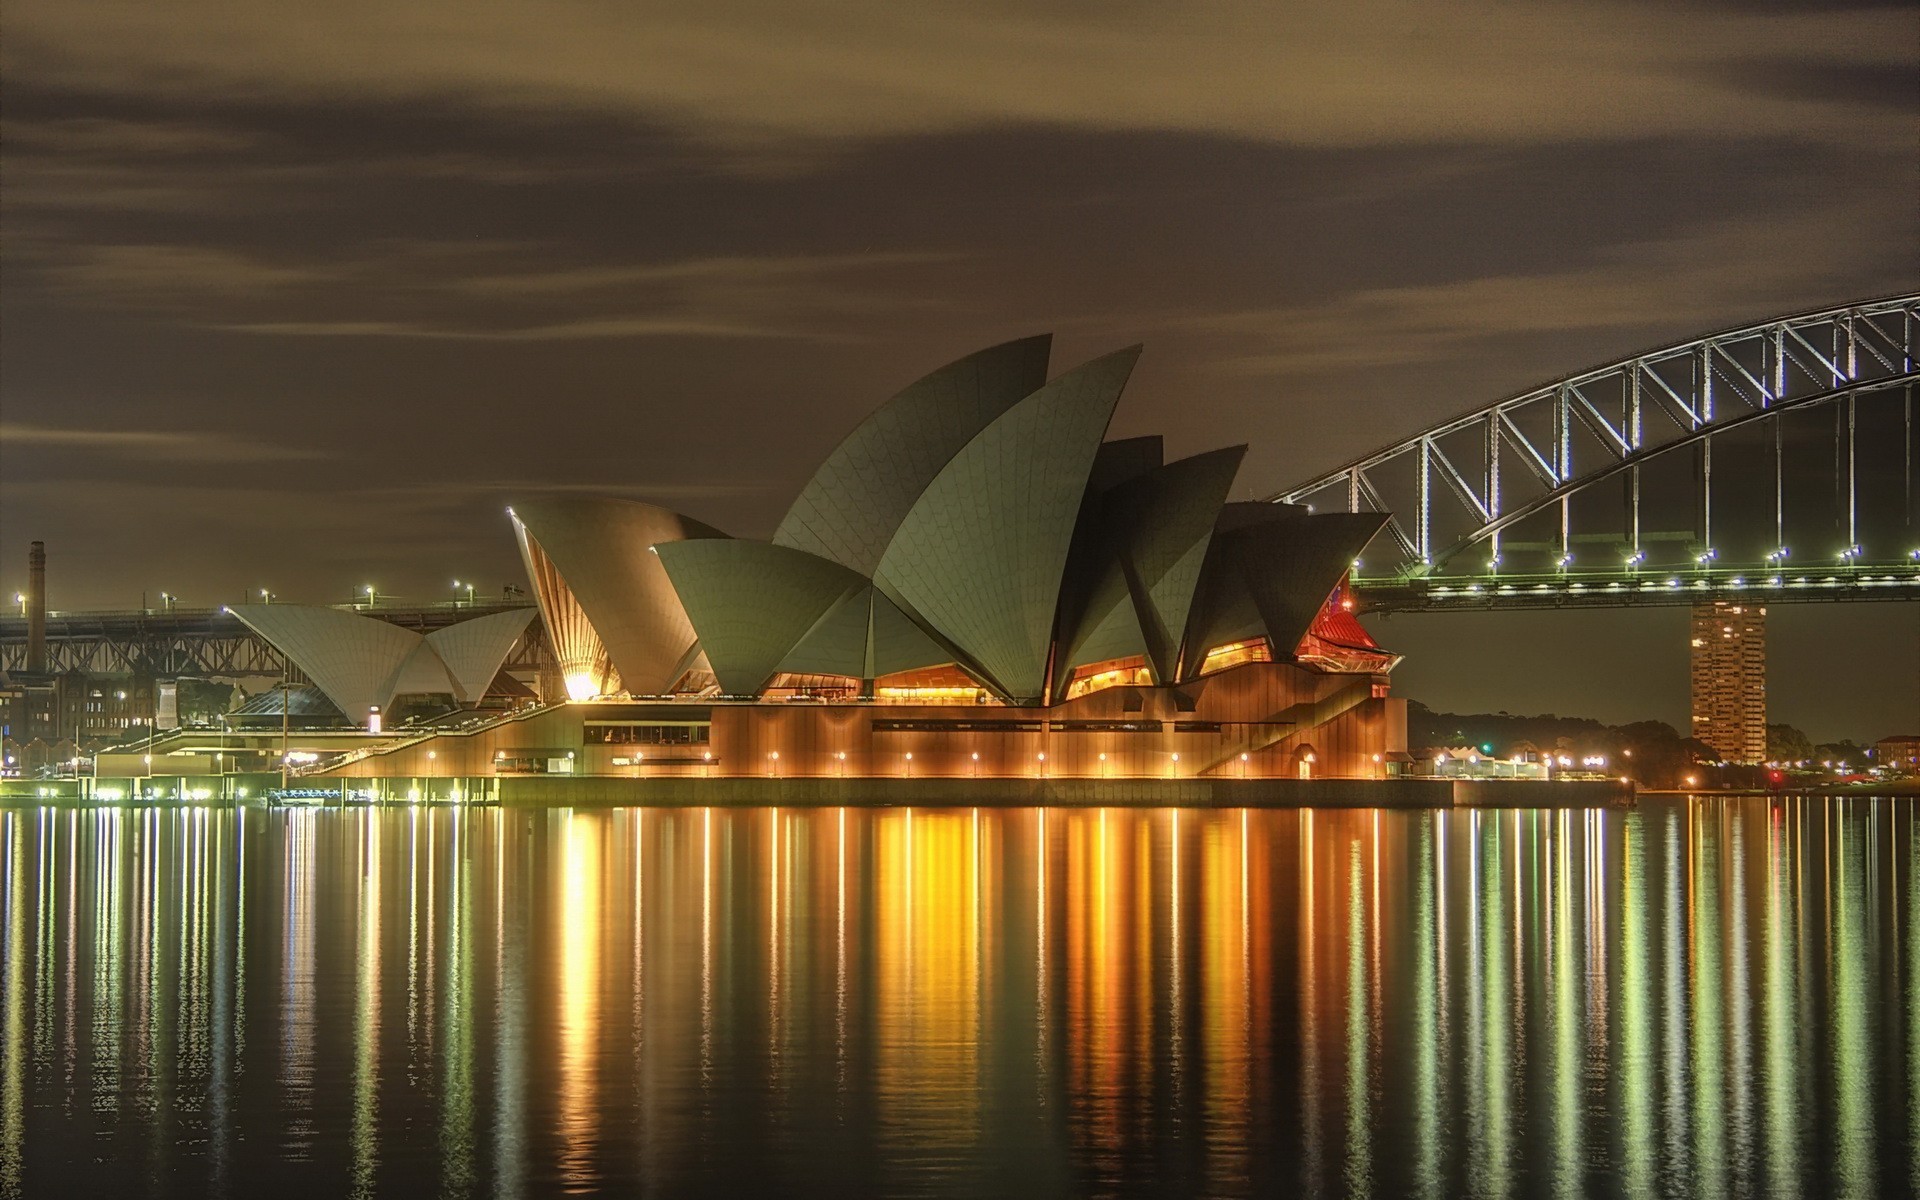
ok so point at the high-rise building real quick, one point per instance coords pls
(1729, 657)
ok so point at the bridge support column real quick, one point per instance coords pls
(1729, 660)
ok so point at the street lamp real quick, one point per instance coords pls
(166, 601)
(371, 595)
(266, 597)
(20, 598)
(457, 586)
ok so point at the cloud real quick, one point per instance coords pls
(464, 490)
(427, 291)
(1366, 72)
(1687, 282)
(730, 270)
(151, 445)
(166, 273)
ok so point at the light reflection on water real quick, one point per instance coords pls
(1697, 997)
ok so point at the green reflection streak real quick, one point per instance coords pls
(1739, 1010)
(1426, 1002)
(1568, 1017)
(1359, 1172)
(1475, 1066)
(510, 1028)
(456, 1101)
(162, 994)
(1708, 1013)
(109, 963)
(46, 935)
(13, 1071)
(240, 933)
(1783, 1125)
(1636, 1041)
(1675, 969)
(220, 1049)
(1493, 1021)
(1852, 1066)
(366, 1014)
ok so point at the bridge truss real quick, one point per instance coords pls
(211, 643)
(1777, 458)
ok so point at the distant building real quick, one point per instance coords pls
(1729, 666)
(1899, 753)
(46, 720)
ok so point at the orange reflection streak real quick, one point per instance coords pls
(840, 960)
(774, 885)
(1309, 1007)
(706, 945)
(927, 1064)
(1139, 969)
(1175, 1030)
(579, 994)
(1226, 1019)
(1099, 1019)
(1043, 1002)
(638, 1014)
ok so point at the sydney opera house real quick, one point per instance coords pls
(974, 583)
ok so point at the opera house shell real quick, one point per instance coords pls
(976, 541)
(362, 664)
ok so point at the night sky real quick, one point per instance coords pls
(298, 296)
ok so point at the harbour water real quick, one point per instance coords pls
(1695, 996)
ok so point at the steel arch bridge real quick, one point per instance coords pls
(1773, 461)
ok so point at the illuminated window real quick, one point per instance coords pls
(1114, 672)
(634, 733)
(1234, 654)
(936, 685)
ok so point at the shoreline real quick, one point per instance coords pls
(612, 792)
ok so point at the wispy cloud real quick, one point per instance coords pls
(176, 272)
(1363, 72)
(462, 293)
(1757, 266)
(658, 490)
(732, 270)
(151, 444)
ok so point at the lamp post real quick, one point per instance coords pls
(20, 598)
(372, 596)
(167, 600)
(457, 588)
(266, 597)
